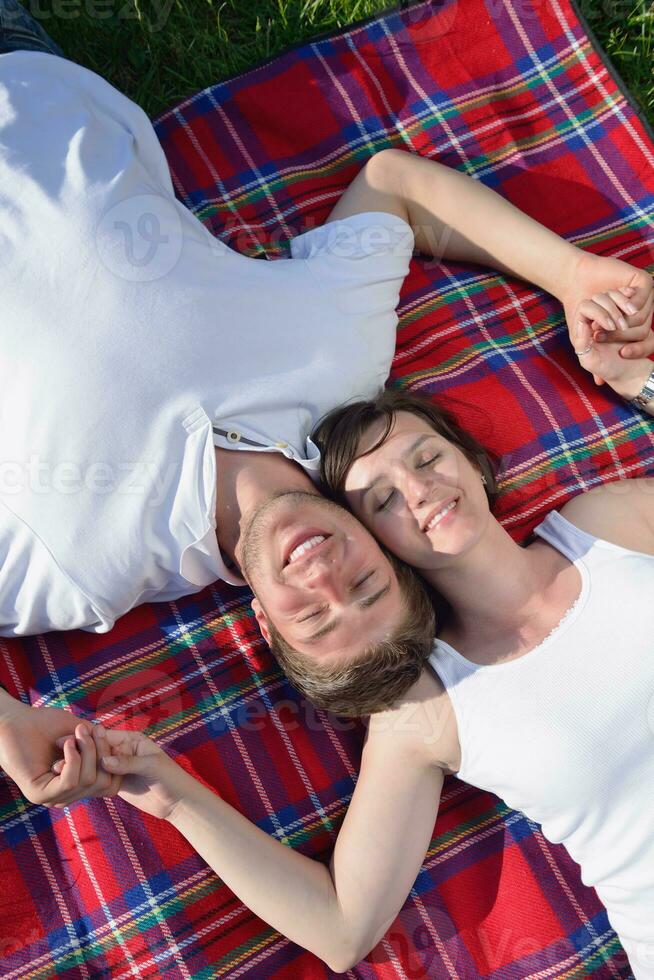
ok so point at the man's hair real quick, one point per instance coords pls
(376, 678)
(339, 433)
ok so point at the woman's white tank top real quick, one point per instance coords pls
(565, 733)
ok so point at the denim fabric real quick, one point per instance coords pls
(19, 30)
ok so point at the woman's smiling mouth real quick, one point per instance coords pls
(440, 515)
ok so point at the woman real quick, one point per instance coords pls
(539, 630)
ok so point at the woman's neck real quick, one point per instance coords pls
(498, 587)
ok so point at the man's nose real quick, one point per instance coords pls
(325, 575)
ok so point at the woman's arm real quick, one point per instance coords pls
(340, 912)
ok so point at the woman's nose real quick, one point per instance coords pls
(416, 489)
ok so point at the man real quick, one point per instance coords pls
(158, 390)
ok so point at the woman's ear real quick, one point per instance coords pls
(261, 619)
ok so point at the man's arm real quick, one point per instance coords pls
(455, 217)
(339, 914)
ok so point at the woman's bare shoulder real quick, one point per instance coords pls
(421, 726)
(621, 512)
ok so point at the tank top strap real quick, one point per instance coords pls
(448, 663)
(565, 536)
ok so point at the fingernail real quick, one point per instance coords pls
(611, 324)
(109, 761)
(600, 336)
(99, 729)
(631, 308)
(622, 322)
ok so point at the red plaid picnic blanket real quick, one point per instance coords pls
(521, 97)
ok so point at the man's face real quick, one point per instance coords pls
(319, 576)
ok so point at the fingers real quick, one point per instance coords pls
(639, 348)
(591, 310)
(608, 310)
(80, 774)
(642, 285)
(614, 303)
(124, 764)
(89, 764)
(103, 750)
(69, 770)
(101, 741)
(119, 736)
(611, 325)
(635, 350)
(584, 335)
(587, 353)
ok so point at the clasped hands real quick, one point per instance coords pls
(608, 306)
(55, 758)
(100, 761)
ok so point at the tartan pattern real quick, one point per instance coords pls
(520, 98)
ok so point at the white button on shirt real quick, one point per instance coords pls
(133, 342)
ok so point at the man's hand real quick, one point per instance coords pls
(613, 296)
(150, 779)
(28, 749)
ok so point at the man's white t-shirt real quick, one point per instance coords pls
(132, 341)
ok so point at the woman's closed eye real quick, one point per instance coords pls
(384, 504)
(386, 501)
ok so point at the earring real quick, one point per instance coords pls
(483, 479)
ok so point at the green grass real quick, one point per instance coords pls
(625, 29)
(160, 51)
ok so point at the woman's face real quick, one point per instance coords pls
(417, 493)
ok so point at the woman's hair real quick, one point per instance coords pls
(339, 433)
(375, 679)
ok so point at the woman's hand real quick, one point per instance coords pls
(604, 362)
(151, 780)
(613, 296)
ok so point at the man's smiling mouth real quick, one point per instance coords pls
(303, 544)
